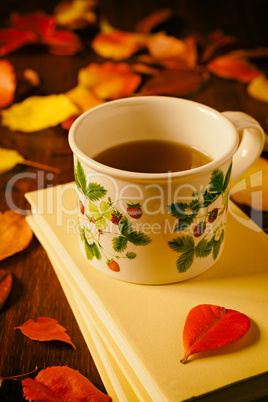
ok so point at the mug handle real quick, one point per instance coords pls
(251, 141)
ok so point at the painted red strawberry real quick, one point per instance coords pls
(213, 215)
(113, 265)
(82, 208)
(134, 210)
(116, 217)
(199, 229)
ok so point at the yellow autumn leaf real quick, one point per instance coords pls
(38, 112)
(258, 88)
(252, 187)
(75, 14)
(83, 98)
(9, 158)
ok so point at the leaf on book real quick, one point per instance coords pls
(15, 233)
(45, 329)
(209, 327)
(6, 281)
(61, 383)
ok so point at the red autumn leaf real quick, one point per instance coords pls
(37, 27)
(233, 66)
(12, 39)
(15, 233)
(45, 329)
(151, 21)
(174, 82)
(7, 83)
(61, 383)
(209, 327)
(6, 281)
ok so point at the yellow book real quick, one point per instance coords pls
(144, 323)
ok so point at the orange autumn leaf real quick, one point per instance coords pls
(61, 383)
(83, 98)
(6, 281)
(252, 187)
(109, 80)
(75, 14)
(15, 233)
(172, 52)
(7, 83)
(117, 45)
(174, 82)
(157, 17)
(45, 329)
(233, 66)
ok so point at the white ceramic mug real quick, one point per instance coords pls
(181, 223)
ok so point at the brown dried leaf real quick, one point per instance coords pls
(15, 233)
(174, 82)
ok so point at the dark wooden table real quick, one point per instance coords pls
(36, 290)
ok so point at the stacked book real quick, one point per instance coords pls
(134, 332)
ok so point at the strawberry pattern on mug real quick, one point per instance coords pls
(102, 217)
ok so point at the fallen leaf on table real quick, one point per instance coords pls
(117, 45)
(9, 158)
(38, 112)
(84, 99)
(258, 88)
(15, 233)
(75, 14)
(256, 182)
(157, 17)
(61, 383)
(234, 66)
(7, 83)
(37, 28)
(109, 80)
(45, 329)
(172, 52)
(12, 39)
(209, 327)
(213, 42)
(6, 281)
(174, 82)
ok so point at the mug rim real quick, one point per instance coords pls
(140, 176)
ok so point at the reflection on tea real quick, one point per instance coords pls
(152, 156)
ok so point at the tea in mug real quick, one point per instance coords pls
(152, 156)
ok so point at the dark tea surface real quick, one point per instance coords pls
(152, 156)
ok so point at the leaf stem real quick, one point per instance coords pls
(40, 166)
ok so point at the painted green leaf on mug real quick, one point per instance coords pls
(209, 327)
(200, 216)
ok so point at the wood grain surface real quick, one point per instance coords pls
(36, 290)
